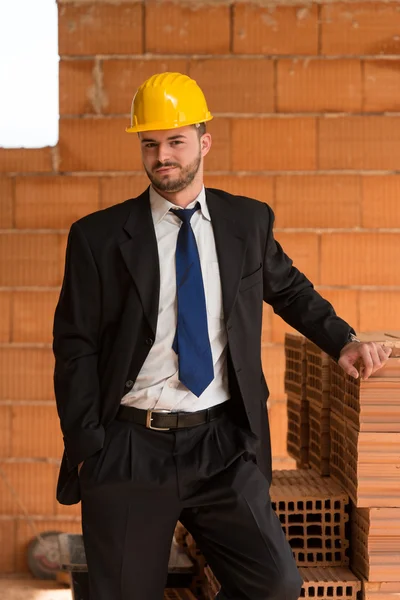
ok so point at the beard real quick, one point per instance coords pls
(184, 178)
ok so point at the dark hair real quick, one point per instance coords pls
(200, 128)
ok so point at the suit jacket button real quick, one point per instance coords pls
(149, 341)
(129, 383)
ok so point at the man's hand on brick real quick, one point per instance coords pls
(370, 355)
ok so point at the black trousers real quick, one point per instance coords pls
(136, 488)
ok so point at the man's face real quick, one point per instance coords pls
(172, 158)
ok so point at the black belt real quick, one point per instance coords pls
(164, 420)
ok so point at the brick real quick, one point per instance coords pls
(6, 204)
(5, 316)
(298, 427)
(252, 92)
(25, 160)
(307, 85)
(26, 373)
(279, 328)
(379, 310)
(35, 432)
(326, 582)
(266, 323)
(318, 201)
(372, 467)
(63, 251)
(297, 411)
(380, 201)
(79, 94)
(259, 187)
(100, 29)
(360, 28)
(303, 249)
(380, 590)
(7, 549)
(295, 369)
(121, 79)
(274, 144)
(25, 534)
(98, 145)
(219, 157)
(381, 85)
(346, 304)
(359, 143)
(5, 431)
(34, 484)
(273, 364)
(283, 462)
(373, 530)
(175, 28)
(33, 314)
(359, 259)
(29, 259)
(317, 376)
(313, 512)
(319, 441)
(275, 30)
(278, 426)
(54, 202)
(114, 190)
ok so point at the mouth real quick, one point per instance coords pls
(165, 170)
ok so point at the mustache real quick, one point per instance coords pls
(161, 165)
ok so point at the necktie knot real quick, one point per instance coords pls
(185, 214)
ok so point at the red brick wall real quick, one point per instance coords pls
(306, 98)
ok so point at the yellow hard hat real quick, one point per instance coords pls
(167, 101)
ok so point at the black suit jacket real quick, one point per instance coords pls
(106, 318)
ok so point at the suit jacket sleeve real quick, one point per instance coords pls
(294, 298)
(75, 346)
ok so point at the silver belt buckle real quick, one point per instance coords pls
(149, 418)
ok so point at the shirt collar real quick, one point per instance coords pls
(160, 206)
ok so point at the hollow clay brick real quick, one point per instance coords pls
(380, 590)
(317, 394)
(375, 543)
(324, 583)
(297, 404)
(319, 582)
(313, 513)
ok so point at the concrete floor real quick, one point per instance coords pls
(13, 588)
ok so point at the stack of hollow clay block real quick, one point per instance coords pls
(364, 458)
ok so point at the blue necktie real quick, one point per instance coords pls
(191, 343)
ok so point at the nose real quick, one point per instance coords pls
(163, 152)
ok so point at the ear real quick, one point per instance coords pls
(205, 144)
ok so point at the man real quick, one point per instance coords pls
(158, 376)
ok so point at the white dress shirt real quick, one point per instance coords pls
(157, 385)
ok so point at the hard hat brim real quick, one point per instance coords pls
(164, 126)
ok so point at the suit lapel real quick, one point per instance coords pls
(141, 256)
(230, 240)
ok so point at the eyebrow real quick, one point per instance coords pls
(172, 137)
